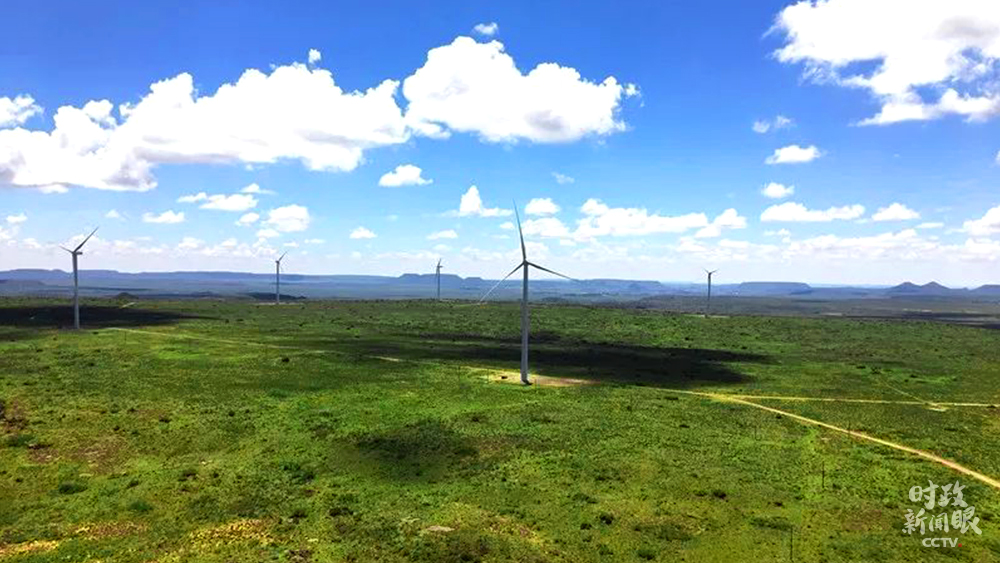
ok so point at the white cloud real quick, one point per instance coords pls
(53, 189)
(487, 29)
(775, 190)
(403, 175)
(293, 113)
(988, 224)
(16, 219)
(193, 198)
(247, 219)
(472, 205)
(895, 212)
(929, 226)
(314, 56)
(289, 219)
(362, 233)
(796, 212)
(779, 122)
(541, 206)
(728, 219)
(267, 233)
(314, 241)
(562, 178)
(232, 202)
(545, 227)
(190, 243)
(897, 49)
(167, 218)
(113, 214)
(255, 189)
(17, 110)
(507, 225)
(450, 233)
(477, 88)
(601, 220)
(793, 154)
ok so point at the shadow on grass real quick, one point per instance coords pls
(91, 317)
(554, 356)
(424, 450)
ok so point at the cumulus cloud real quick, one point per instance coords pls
(17, 110)
(477, 88)
(930, 225)
(471, 205)
(562, 178)
(602, 220)
(255, 189)
(541, 206)
(775, 190)
(193, 198)
(793, 154)
(315, 56)
(728, 219)
(293, 113)
(988, 224)
(764, 125)
(895, 212)
(798, 213)
(113, 214)
(362, 233)
(16, 219)
(232, 202)
(446, 234)
(546, 227)
(487, 29)
(949, 47)
(403, 175)
(507, 225)
(267, 233)
(247, 219)
(168, 217)
(313, 241)
(289, 219)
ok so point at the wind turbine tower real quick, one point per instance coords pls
(277, 279)
(76, 252)
(526, 265)
(437, 276)
(708, 303)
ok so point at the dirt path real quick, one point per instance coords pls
(860, 435)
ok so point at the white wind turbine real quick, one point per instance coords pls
(277, 279)
(525, 264)
(708, 303)
(437, 275)
(75, 253)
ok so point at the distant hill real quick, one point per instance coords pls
(987, 290)
(773, 288)
(931, 289)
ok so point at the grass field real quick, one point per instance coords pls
(393, 431)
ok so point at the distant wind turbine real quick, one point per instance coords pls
(277, 279)
(525, 264)
(76, 252)
(708, 304)
(437, 275)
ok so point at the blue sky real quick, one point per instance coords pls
(637, 149)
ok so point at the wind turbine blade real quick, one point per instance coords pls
(85, 240)
(551, 271)
(483, 298)
(282, 257)
(66, 249)
(524, 253)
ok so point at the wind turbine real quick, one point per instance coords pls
(526, 265)
(708, 305)
(76, 252)
(277, 279)
(437, 275)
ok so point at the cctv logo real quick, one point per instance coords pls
(940, 542)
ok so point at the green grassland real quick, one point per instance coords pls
(392, 431)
